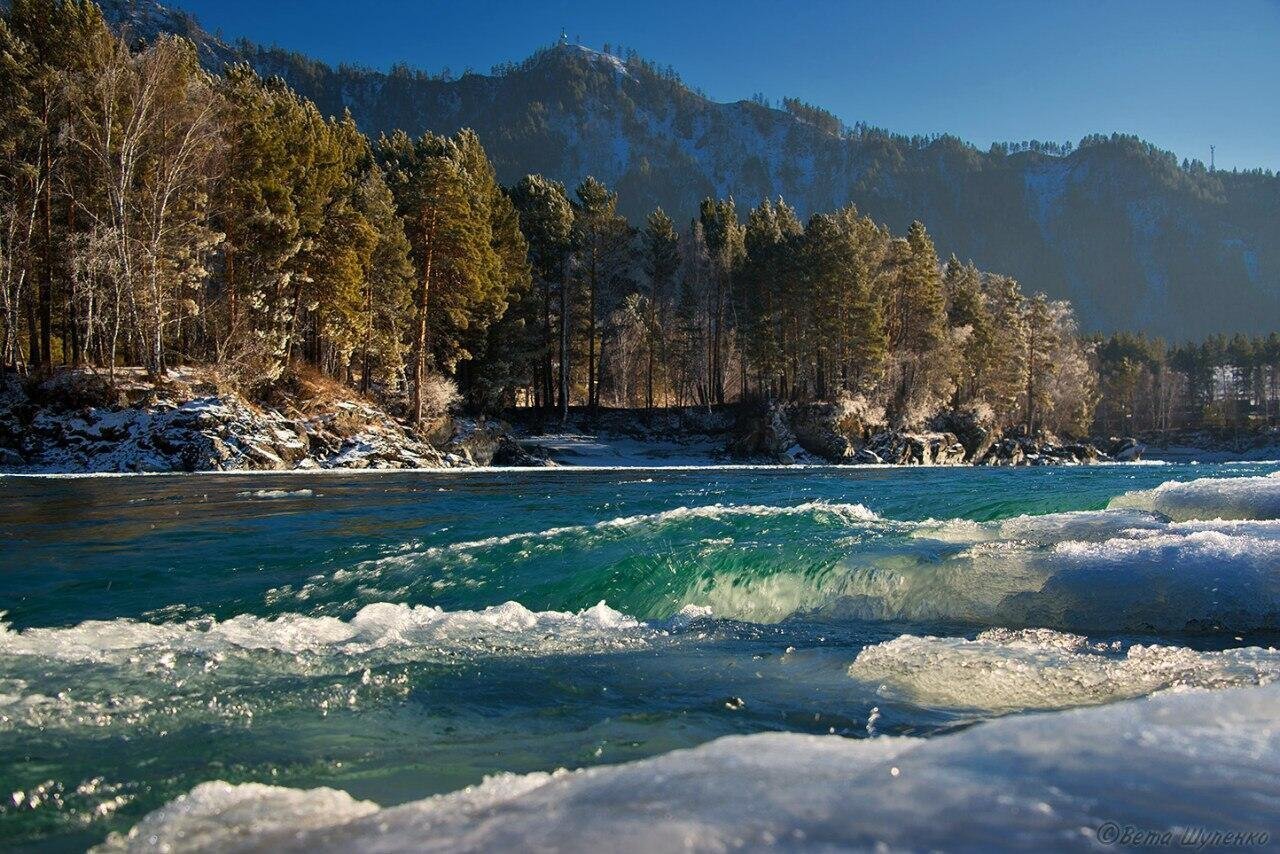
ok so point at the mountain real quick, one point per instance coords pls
(1134, 239)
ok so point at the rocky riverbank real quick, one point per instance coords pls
(835, 433)
(76, 422)
(1211, 445)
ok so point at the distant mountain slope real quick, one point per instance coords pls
(1135, 241)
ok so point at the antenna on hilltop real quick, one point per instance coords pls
(1212, 155)
(564, 37)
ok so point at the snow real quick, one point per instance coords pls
(574, 449)
(1042, 782)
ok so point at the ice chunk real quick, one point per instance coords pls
(1003, 670)
(1041, 782)
(1210, 498)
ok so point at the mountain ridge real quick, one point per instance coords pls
(1134, 239)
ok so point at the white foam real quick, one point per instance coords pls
(1041, 782)
(1210, 498)
(381, 626)
(1004, 671)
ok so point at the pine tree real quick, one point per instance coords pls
(60, 37)
(19, 189)
(602, 241)
(724, 237)
(450, 243)
(966, 309)
(388, 283)
(661, 263)
(546, 218)
(1005, 380)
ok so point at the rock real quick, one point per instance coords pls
(1128, 451)
(762, 432)
(1007, 451)
(1083, 452)
(71, 390)
(817, 430)
(511, 453)
(973, 428)
(866, 456)
(11, 459)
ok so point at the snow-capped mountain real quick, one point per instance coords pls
(1135, 240)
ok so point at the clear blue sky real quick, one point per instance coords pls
(1183, 74)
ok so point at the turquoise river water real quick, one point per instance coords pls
(399, 636)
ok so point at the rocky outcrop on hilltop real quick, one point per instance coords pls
(77, 422)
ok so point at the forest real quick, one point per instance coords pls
(155, 214)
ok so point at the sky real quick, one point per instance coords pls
(1183, 74)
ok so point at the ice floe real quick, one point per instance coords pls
(1042, 782)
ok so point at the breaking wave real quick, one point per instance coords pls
(1039, 782)
(1130, 568)
(1157, 577)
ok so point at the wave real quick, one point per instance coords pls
(1037, 782)
(1124, 569)
(847, 513)
(1209, 498)
(1005, 671)
(1157, 577)
(649, 565)
(125, 673)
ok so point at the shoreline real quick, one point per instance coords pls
(588, 469)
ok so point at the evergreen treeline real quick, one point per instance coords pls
(1219, 382)
(155, 214)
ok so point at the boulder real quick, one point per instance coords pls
(511, 453)
(474, 441)
(1126, 450)
(817, 429)
(1007, 451)
(762, 431)
(973, 428)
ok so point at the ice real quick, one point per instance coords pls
(1005, 671)
(1210, 498)
(277, 493)
(1040, 782)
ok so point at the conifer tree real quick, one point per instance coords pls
(661, 263)
(546, 218)
(449, 241)
(724, 238)
(602, 241)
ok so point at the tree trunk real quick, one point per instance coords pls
(46, 279)
(421, 340)
(564, 350)
(591, 339)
